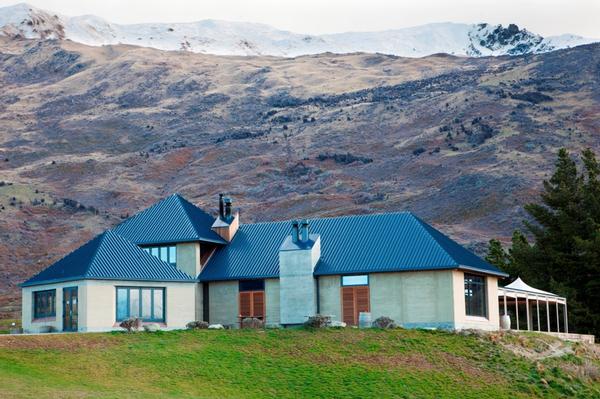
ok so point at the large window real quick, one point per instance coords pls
(475, 296)
(165, 253)
(44, 304)
(144, 302)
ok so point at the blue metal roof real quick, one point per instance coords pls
(171, 220)
(109, 257)
(349, 245)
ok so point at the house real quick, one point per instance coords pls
(173, 263)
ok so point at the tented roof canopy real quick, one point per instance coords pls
(519, 285)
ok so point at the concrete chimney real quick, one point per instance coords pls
(297, 284)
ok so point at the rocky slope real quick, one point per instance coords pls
(241, 38)
(89, 135)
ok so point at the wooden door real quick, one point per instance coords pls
(252, 304)
(354, 300)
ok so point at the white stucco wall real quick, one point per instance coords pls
(97, 304)
(32, 326)
(461, 320)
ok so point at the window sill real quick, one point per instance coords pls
(43, 319)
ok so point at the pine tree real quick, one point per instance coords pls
(565, 255)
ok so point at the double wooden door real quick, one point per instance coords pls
(354, 300)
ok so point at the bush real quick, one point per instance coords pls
(252, 322)
(384, 322)
(197, 325)
(131, 324)
(318, 321)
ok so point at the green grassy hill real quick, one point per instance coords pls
(345, 363)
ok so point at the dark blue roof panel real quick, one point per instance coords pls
(349, 245)
(109, 257)
(171, 220)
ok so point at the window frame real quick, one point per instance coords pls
(52, 312)
(155, 250)
(152, 319)
(354, 285)
(470, 308)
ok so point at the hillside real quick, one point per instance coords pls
(346, 363)
(245, 38)
(90, 135)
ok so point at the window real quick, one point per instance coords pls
(44, 304)
(475, 296)
(165, 253)
(143, 302)
(252, 299)
(355, 280)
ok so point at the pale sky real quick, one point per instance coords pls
(546, 17)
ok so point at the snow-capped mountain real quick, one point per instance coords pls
(242, 38)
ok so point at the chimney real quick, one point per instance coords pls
(227, 202)
(295, 231)
(221, 207)
(298, 256)
(227, 223)
(304, 236)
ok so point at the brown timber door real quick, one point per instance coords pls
(252, 304)
(354, 301)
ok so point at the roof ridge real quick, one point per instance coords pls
(181, 202)
(333, 217)
(102, 236)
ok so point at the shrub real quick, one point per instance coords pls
(318, 321)
(197, 325)
(131, 324)
(252, 322)
(384, 322)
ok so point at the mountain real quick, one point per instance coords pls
(90, 135)
(241, 38)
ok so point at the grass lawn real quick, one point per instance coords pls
(333, 363)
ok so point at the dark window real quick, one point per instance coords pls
(44, 304)
(475, 296)
(146, 303)
(252, 285)
(362, 279)
(165, 253)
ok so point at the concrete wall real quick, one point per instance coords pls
(428, 299)
(413, 299)
(298, 290)
(330, 297)
(188, 258)
(223, 304)
(461, 320)
(97, 304)
(272, 301)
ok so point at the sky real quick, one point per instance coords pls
(545, 17)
